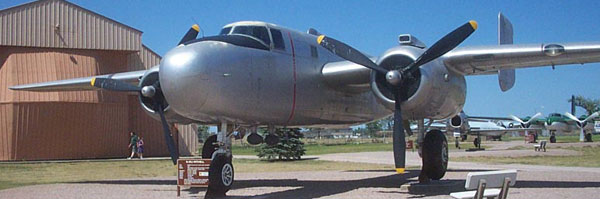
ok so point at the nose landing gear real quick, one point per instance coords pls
(221, 173)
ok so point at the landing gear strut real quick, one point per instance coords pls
(218, 148)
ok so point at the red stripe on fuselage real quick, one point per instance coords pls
(294, 69)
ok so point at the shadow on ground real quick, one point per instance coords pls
(321, 188)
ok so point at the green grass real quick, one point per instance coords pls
(22, 174)
(559, 139)
(590, 158)
(563, 139)
(19, 174)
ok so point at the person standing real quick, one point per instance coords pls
(133, 139)
(456, 137)
(140, 147)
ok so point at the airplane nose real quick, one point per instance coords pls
(181, 74)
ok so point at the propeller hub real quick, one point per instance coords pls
(393, 77)
(148, 91)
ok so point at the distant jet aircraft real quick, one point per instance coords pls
(478, 126)
(257, 74)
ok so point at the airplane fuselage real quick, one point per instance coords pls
(216, 81)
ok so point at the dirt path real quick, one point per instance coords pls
(319, 184)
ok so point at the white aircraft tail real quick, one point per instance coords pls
(506, 77)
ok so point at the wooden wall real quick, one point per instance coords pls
(61, 24)
(68, 125)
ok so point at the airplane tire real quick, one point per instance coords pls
(476, 142)
(209, 147)
(435, 154)
(220, 175)
(552, 139)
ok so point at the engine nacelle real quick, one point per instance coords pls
(456, 121)
(438, 92)
(459, 122)
(151, 78)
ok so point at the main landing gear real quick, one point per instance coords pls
(434, 154)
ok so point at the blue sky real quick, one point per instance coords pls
(373, 27)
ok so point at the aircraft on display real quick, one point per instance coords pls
(465, 125)
(583, 123)
(529, 122)
(557, 123)
(256, 74)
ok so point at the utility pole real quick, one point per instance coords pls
(572, 104)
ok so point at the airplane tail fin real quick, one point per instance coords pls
(506, 77)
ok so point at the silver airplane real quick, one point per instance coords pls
(463, 125)
(256, 74)
(486, 126)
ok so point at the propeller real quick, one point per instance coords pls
(190, 35)
(525, 124)
(149, 91)
(400, 78)
(146, 91)
(167, 133)
(580, 123)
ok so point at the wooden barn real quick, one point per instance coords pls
(50, 40)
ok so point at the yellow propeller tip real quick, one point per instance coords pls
(399, 170)
(93, 81)
(196, 27)
(320, 38)
(473, 24)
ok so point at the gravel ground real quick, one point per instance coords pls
(320, 184)
(533, 181)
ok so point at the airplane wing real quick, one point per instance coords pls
(485, 119)
(79, 84)
(483, 60)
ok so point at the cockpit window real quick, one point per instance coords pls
(277, 39)
(225, 31)
(259, 32)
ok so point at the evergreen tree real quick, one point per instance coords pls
(202, 133)
(372, 128)
(289, 147)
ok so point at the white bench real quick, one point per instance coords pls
(488, 179)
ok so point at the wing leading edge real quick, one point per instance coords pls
(79, 84)
(483, 60)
